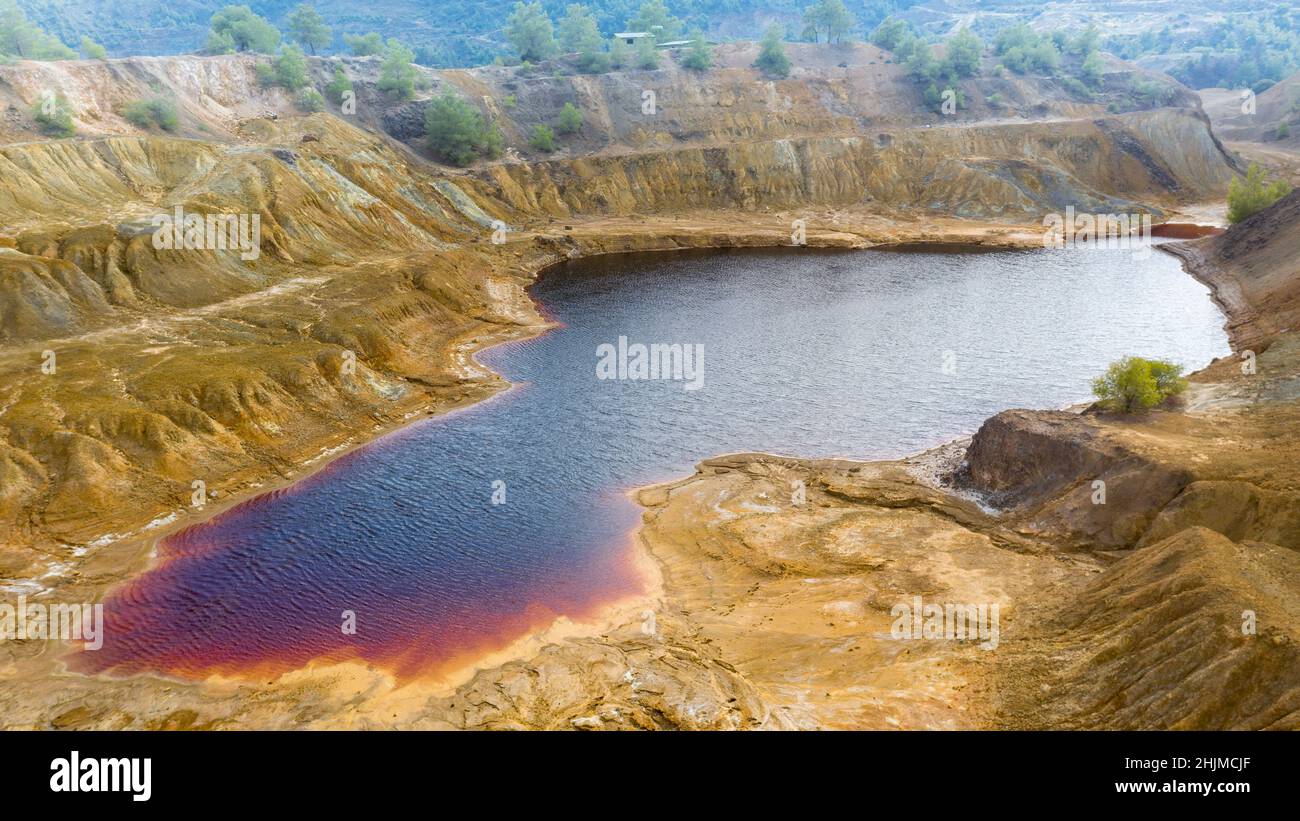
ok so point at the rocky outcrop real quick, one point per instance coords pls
(1061, 477)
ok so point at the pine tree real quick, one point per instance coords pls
(307, 27)
(772, 60)
(699, 57)
(529, 30)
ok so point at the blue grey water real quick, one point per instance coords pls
(867, 354)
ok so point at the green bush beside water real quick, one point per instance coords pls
(1253, 193)
(1133, 384)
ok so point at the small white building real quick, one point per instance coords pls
(630, 37)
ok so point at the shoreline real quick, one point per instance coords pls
(1224, 291)
(993, 236)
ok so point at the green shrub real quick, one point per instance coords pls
(530, 31)
(772, 60)
(570, 121)
(287, 70)
(652, 14)
(1086, 42)
(542, 138)
(1251, 194)
(237, 28)
(364, 45)
(922, 65)
(1076, 88)
(92, 50)
(830, 16)
(1132, 384)
(291, 68)
(137, 114)
(891, 33)
(339, 85)
(1045, 57)
(218, 43)
(307, 27)
(578, 30)
(309, 99)
(647, 58)
(1152, 94)
(699, 57)
(963, 57)
(457, 132)
(397, 72)
(1023, 50)
(21, 39)
(1093, 70)
(903, 51)
(149, 113)
(620, 54)
(594, 62)
(54, 116)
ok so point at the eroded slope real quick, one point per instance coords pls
(176, 366)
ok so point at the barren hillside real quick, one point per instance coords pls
(169, 366)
